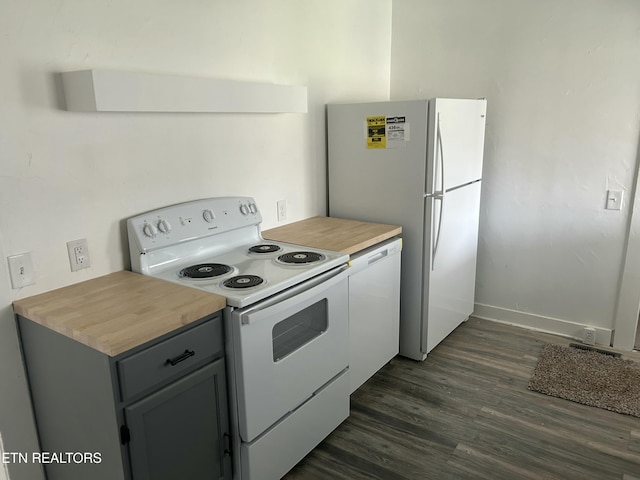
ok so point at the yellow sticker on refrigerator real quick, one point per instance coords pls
(387, 132)
(376, 132)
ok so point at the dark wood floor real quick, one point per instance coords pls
(465, 412)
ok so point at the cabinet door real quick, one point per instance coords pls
(179, 431)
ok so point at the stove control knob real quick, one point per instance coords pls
(149, 230)
(208, 215)
(253, 208)
(244, 209)
(164, 226)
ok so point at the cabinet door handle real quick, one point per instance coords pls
(227, 448)
(180, 358)
(125, 435)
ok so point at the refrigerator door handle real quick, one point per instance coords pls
(441, 150)
(439, 196)
(436, 243)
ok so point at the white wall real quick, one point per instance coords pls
(65, 175)
(562, 80)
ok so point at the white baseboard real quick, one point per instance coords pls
(540, 323)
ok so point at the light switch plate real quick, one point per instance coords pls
(21, 270)
(614, 199)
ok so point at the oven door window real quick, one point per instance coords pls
(299, 329)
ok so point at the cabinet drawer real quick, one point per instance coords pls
(174, 356)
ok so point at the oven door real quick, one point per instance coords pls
(288, 347)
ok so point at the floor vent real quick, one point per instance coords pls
(595, 349)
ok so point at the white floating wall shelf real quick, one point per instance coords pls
(116, 91)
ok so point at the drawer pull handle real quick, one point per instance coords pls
(180, 358)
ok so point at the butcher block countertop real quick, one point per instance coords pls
(336, 234)
(120, 311)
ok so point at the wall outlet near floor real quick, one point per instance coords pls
(589, 336)
(78, 254)
(21, 270)
(282, 210)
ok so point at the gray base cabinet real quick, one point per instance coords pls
(157, 412)
(174, 432)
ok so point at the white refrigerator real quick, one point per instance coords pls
(417, 164)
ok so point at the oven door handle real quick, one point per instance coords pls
(327, 279)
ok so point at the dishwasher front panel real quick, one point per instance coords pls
(374, 310)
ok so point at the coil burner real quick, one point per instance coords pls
(205, 270)
(265, 248)
(243, 281)
(300, 258)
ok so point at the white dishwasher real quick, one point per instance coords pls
(374, 309)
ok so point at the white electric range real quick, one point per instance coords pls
(286, 323)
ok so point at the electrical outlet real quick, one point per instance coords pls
(589, 336)
(21, 270)
(282, 210)
(78, 254)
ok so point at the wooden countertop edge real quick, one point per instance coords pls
(334, 233)
(371, 242)
(137, 319)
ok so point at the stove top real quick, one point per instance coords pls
(215, 245)
(250, 277)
